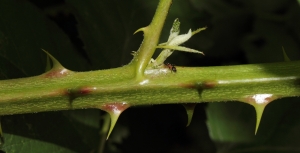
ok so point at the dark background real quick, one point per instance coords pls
(91, 35)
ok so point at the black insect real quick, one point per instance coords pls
(171, 67)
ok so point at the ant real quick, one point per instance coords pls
(171, 67)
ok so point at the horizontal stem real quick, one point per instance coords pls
(93, 89)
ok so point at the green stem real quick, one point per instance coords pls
(151, 38)
(79, 90)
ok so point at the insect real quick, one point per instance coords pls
(171, 67)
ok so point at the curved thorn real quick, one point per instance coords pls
(54, 61)
(259, 102)
(140, 29)
(259, 112)
(189, 111)
(285, 57)
(113, 120)
(114, 110)
(48, 64)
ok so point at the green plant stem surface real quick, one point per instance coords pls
(80, 90)
(151, 38)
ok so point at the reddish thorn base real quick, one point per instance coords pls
(115, 108)
(190, 85)
(86, 90)
(209, 84)
(57, 73)
(259, 99)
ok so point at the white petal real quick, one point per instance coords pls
(180, 39)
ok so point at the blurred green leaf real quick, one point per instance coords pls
(255, 30)
(267, 40)
(231, 122)
(106, 28)
(232, 127)
(42, 132)
(32, 145)
(24, 30)
(267, 27)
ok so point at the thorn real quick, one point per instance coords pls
(259, 112)
(259, 102)
(48, 64)
(140, 29)
(285, 57)
(57, 70)
(113, 120)
(55, 62)
(189, 111)
(114, 110)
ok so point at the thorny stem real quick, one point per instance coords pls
(151, 38)
(60, 89)
(160, 86)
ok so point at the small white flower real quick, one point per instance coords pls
(180, 39)
(173, 43)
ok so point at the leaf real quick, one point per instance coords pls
(87, 123)
(231, 122)
(253, 32)
(267, 40)
(32, 145)
(106, 28)
(43, 132)
(181, 48)
(24, 31)
(233, 130)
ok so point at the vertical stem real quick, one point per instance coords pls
(151, 37)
